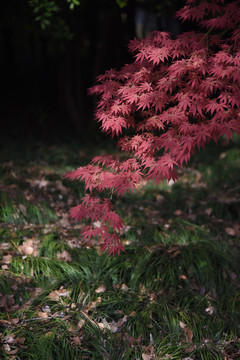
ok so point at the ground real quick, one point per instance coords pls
(174, 293)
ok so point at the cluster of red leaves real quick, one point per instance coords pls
(176, 96)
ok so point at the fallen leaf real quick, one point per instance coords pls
(183, 277)
(230, 231)
(80, 324)
(9, 339)
(189, 334)
(176, 253)
(95, 303)
(4, 246)
(160, 198)
(118, 311)
(182, 325)
(56, 294)
(20, 340)
(208, 211)
(190, 349)
(124, 287)
(23, 209)
(72, 329)
(42, 315)
(146, 357)
(5, 323)
(64, 256)
(46, 309)
(28, 247)
(40, 183)
(210, 310)
(76, 340)
(6, 301)
(101, 326)
(7, 259)
(63, 189)
(101, 289)
(132, 314)
(8, 350)
(121, 321)
(116, 286)
(64, 221)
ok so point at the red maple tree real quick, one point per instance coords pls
(176, 96)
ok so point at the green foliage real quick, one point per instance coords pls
(23, 213)
(122, 3)
(47, 14)
(43, 10)
(73, 3)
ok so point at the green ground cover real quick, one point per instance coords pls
(174, 294)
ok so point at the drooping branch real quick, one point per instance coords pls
(175, 97)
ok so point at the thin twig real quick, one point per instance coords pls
(45, 318)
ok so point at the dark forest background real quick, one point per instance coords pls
(51, 54)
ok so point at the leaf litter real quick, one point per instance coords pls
(28, 246)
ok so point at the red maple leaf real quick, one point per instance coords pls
(176, 96)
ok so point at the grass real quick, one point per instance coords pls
(174, 294)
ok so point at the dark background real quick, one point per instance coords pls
(46, 69)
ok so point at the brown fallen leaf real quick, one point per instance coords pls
(7, 259)
(63, 189)
(4, 246)
(76, 340)
(176, 253)
(8, 350)
(20, 340)
(80, 324)
(23, 209)
(29, 247)
(183, 277)
(124, 287)
(72, 329)
(101, 289)
(9, 339)
(5, 323)
(121, 321)
(182, 325)
(189, 335)
(210, 310)
(230, 231)
(188, 332)
(6, 301)
(208, 211)
(64, 256)
(56, 294)
(42, 315)
(132, 314)
(101, 325)
(64, 221)
(160, 198)
(177, 212)
(95, 303)
(146, 357)
(40, 183)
